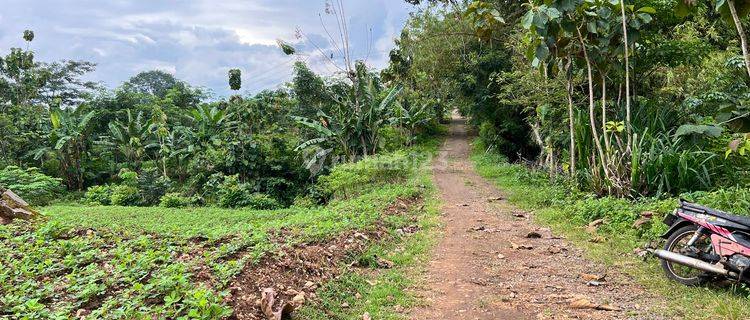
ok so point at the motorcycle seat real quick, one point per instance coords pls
(745, 221)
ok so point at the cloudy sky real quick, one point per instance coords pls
(199, 40)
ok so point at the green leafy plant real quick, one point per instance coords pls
(32, 185)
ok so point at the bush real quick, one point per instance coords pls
(261, 201)
(128, 178)
(153, 185)
(125, 195)
(32, 185)
(98, 195)
(232, 193)
(174, 200)
(352, 179)
(305, 202)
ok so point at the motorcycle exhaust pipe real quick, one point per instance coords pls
(688, 261)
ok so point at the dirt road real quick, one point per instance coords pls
(493, 262)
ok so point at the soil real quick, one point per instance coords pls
(298, 270)
(494, 262)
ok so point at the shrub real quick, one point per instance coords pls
(261, 201)
(174, 200)
(232, 193)
(32, 185)
(352, 179)
(128, 178)
(125, 195)
(153, 185)
(98, 195)
(305, 202)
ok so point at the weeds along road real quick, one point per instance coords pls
(493, 262)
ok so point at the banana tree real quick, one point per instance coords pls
(411, 117)
(129, 139)
(68, 140)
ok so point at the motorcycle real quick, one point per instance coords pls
(705, 244)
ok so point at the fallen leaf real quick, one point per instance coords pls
(384, 264)
(366, 316)
(593, 277)
(299, 299)
(554, 249)
(491, 199)
(268, 297)
(500, 256)
(478, 228)
(596, 223)
(582, 303)
(607, 307)
(640, 222)
(597, 239)
(533, 235)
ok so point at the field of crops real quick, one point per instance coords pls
(135, 262)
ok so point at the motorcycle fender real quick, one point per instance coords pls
(675, 223)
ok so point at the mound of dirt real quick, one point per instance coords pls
(296, 272)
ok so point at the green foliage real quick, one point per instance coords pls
(235, 79)
(174, 200)
(352, 179)
(125, 195)
(98, 195)
(32, 185)
(261, 201)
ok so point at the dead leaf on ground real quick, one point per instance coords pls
(640, 222)
(384, 264)
(593, 225)
(582, 303)
(268, 297)
(554, 249)
(491, 199)
(533, 235)
(593, 277)
(597, 239)
(519, 214)
(366, 316)
(515, 246)
(500, 256)
(478, 228)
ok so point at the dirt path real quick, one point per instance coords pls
(486, 266)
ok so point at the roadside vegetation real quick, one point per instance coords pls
(159, 199)
(123, 262)
(614, 231)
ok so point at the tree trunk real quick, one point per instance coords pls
(571, 124)
(604, 114)
(592, 115)
(741, 31)
(628, 128)
(539, 141)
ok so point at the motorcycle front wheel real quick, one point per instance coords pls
(677, 243)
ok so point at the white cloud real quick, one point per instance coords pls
(197, 40)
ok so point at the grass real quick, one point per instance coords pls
(383, 294)
(126, 262)
(568, 212)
